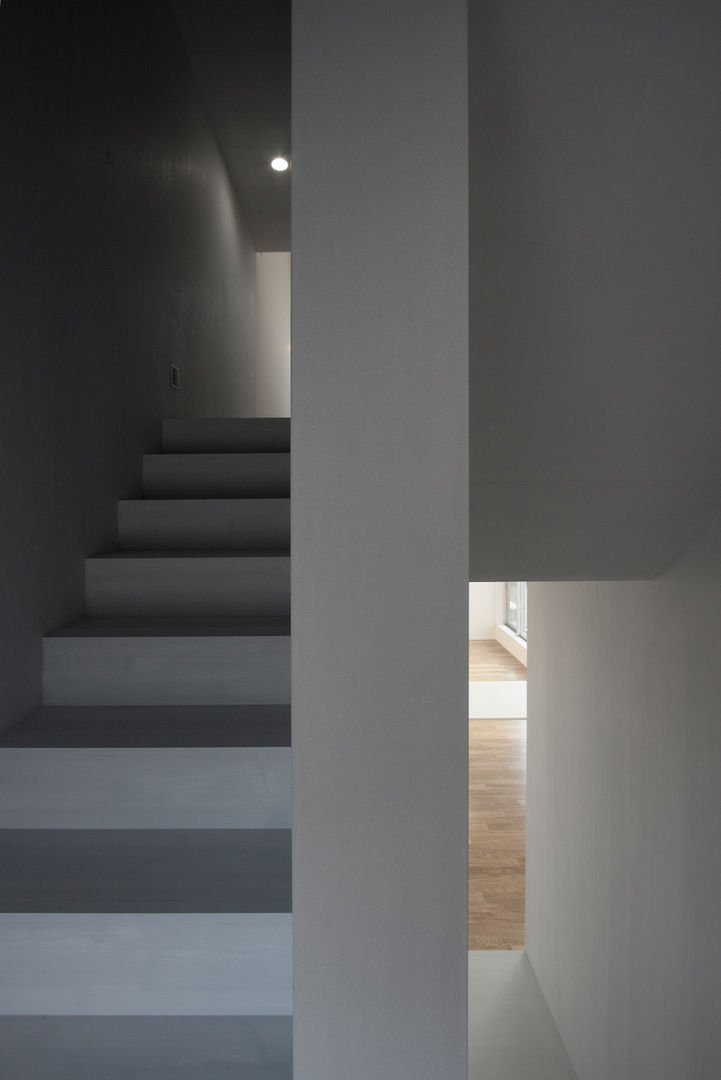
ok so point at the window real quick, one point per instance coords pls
(516, 607)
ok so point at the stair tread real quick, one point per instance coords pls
(176, 626)
(130, 964)
(151, 726)
(145, 870)
(217, 457)
(221, 501)
(202, 787)
(192, 553)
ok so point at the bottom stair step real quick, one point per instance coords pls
(145, 965)
(141, 1047)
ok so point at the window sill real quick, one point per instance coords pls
(515, 645)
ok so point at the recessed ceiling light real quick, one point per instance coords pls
(280, 164)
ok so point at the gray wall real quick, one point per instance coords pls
(595, 228)
(122, 249)
(379, 408)
(624, 803)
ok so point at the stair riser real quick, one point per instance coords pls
(166, 671)
(235, 435)
(141, 1047)
(204, 525)
(219, 476)
(185, 586)
(151, 726)
(166, 871)
(130, 965)
(213, 788)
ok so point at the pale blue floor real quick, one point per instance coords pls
(512, 1035)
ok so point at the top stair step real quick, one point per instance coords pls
(257, 434)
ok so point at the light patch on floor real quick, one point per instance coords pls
(496, 699)
(511, 1033)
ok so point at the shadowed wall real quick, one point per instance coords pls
(122, 249)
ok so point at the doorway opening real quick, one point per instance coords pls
(497, 680)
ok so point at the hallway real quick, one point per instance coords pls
(496, 833)
(496, 801)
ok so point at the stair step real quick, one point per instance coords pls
(179, 584)
(216, 476)
(136, 788)
(260, 434)
(151, 726)
(175, 626)
(117, 964)
(139, 1047)
(168, 662)
(145, 870)
(257, 525)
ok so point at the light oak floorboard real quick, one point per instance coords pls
(490, 662)
(497, 833)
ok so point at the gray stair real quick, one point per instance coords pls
(145, 870)
(141, 1047)
(168, 662)
(217, 476)
(151, 726)
(131, 964)
(256, 434)
(145, 808)
(174, 583)
(252, 525)
(217, 787)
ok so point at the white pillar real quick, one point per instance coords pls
(379, 533)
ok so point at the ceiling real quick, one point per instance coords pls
(240, 52)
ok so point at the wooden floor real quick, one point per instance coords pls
(497, 834)
(490, 662)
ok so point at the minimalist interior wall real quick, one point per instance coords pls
(272, 323)
(595, 227)
(380, 593)
(122, 251)
(481, 610)
(624, 871)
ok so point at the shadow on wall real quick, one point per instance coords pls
(125, 252)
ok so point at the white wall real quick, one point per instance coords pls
(380, 555)
(272, 333)
(624, 805)
(481, 610)
(595, 230)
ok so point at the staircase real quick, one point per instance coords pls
(145, 926)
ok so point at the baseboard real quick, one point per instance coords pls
(514, 644)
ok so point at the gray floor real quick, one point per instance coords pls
(512, 1035)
